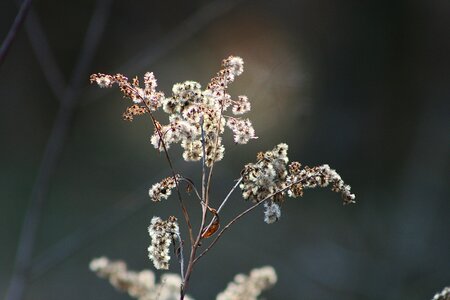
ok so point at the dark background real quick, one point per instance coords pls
(360, 85)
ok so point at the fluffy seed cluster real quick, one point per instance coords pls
(249, 287)
(270, 179)
(272, 212)
(320, 176)
(266, 176)
(163, 189)
(444, 295)
(197, 117)
(146, 96)
(162, 234)
(140, 285)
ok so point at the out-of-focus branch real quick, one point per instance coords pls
(53, 152)
(192, 25)
(89, 232)
(44, 56)
(12, 33)
(183, 32)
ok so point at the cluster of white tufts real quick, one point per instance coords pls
(140, 285)
(249, 287)
(266, 176)
(320, 176)
(269, 179)
(196, 117)
(163, 189)
(272, 212)
(443, 295)
(162, 234)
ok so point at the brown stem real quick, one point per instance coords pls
(240, 216)
(208, 185)
(183, 207)
(192, 185)
(204, 203)
(224, 202)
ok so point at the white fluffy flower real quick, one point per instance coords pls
(272, 212)
(161, 234)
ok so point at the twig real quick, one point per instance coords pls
(52, 154)
(224, 202)
(229, 194)
(208, 185)
(204, 203)
(192, 185)
(174, 174)
(240, 216)
(181, 255)
(12, 33)
(204, 198)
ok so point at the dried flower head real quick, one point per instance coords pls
(163, 189)
(443, 295)
(196, 116)
(269, 179)
(266, 176)
(320, 176)
(161, 234)
(140, 285)
(272, 212)
(249, 287)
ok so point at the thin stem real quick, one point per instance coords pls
(229, 194)
(181, 256)
(192, 185)
(208, 185)
(240, 216)
(53, 152)
(204, 203)
(183, 207)
(204, 198)
(224, 202)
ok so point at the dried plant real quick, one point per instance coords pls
(197, 119)
(443, 295)
(142, 285)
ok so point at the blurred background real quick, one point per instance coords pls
(361, 85)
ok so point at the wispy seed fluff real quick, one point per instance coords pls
(320, 176)
(267, 176)
(272, 212)
(249, 287)
(161, 233)
(196, 115)
(270, 179)
(443, 295)
(163, 189)
(140, 285)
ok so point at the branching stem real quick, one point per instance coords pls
(240, 216)
(224, 202)
(174, 174)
